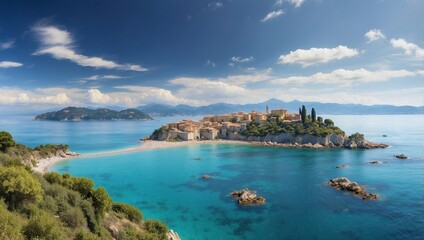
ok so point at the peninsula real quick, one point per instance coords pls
(81, 113)
(273, 128)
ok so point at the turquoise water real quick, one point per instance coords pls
(166, 184)
(83, 136)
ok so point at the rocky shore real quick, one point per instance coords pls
(344, 184)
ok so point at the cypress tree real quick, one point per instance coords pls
(303, 114)
(300, 111)
(314, 115)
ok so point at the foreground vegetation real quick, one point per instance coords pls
(309, 125)
(61, 207)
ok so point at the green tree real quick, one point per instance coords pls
(328, 122)
(45, 226)
(10, 224)
(300, 111)
(319, 119)
(313, 115)
(101, 201)
(157, 228)
(132, 213)
(303, 114)
(83, 185)
(18, 187)
(6, 141)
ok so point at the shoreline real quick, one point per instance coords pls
(43, 165)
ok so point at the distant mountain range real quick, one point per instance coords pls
(81, 113)
(293, 106)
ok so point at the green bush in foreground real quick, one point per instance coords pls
(132, 213)
(10, 224)
(18, 187)
(62, 207)
(156, 228)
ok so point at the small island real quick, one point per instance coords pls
(275, 128)
(81, 113)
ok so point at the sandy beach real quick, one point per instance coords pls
(44, 164)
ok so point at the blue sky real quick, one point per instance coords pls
(130, 53)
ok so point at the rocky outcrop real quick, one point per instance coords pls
(344, 184)
(375, 162)
(401, 156)
(282, 140)
(206, 177)
(364, 144)
(173, 235)
(248, 197)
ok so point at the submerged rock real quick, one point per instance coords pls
(248, 197)
(344, 184)
(401, 156)
(206, 176)
(375, 162)
(197, 158)
(342, 166)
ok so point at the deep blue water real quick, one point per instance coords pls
(165, 184)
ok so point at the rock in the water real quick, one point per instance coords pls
(401, 156)
(206, 176)
(384, 135)
(344, 184)
(375, 162)
(342, 166)
(197, 158)
(247, 197)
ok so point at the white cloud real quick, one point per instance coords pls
(210, 63)
(344, 77)
(314, 56)
(19, 96)
(409, 48)
(8, 64)
(98, 77)
(7, 45)
(374, 35)
(138, 95)
(97, 97)
(215, 5)
(296, 3)
(207, 90)
(272, 15)
(242, 60)
(58, 43)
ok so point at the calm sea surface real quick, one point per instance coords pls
(166, 184)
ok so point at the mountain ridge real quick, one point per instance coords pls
(292, 106)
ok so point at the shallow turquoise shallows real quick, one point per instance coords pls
(166, 184)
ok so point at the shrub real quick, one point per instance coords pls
(132, 213)
(157, 228)
(10, 224)
(101, 201)
(6, 141)
(357, 137)
(73, 217)
(88, 210)
(83, 234)
(18, 187)
(45, 226)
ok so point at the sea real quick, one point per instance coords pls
(167, 184)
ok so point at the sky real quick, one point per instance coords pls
(198, 52)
